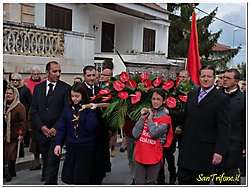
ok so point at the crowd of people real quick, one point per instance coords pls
(47, 114)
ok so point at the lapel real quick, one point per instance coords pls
(194, 99)
(53, 94)
(43, 92)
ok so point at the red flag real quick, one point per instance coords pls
(193, 61)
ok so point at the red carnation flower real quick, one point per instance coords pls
(136, 98)
(118, 85)
(124, 77)
(144, 76)
(131, 83)
(183, 98)
(107, 98)
(123, 95)
(147, 83)
(168, 85)
(171, 102)
(157, 81)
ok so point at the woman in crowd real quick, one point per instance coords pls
(76, 126)
(150, 132)
(14, 124)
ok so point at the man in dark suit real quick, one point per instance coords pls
(48, 102)
(101, 152)
(233, 160)
(206, 128)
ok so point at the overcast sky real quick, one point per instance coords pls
(234, 13)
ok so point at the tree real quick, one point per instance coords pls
(242, 69)
(179, 35)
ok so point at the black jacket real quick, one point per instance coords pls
(44, 113)
(206, 130)
(237, 140)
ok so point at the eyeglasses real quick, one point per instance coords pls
(36, 74)
(15, 80)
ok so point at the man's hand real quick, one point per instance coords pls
(244, 153)
(52, 132)
(178, 130)
(57, 150)
(45, 131)
(217, 158)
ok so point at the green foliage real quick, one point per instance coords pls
(242, 69)
(179, 36)
(119, 107)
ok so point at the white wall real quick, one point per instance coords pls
(124, 34)
(40, 17)
(80, 15)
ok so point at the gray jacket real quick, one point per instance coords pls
(154, 130)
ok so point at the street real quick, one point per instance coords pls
(118, 176)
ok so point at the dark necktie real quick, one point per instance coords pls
(50, 85)
(92, 89)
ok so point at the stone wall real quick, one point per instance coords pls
(19, 12)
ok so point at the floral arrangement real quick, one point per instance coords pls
(129, 93)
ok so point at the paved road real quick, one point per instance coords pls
(118, 176)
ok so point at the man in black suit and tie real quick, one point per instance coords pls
(237, 145)
(89, 75)
(48, 101)
(206, 129)
(101, 149)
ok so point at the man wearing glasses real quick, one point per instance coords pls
(105, 77)
(237, 114)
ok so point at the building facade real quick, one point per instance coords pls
(79, 34)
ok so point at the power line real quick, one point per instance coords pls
(222, 20)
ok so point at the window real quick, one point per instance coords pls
(149, 40)
(58, 17)
(107, 41)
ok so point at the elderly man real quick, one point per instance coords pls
(30, 83)
(105, 77)
(34, 79)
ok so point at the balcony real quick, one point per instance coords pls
(27, 45)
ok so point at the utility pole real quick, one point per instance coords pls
(234, 30)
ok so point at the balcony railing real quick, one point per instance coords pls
(29, 40)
